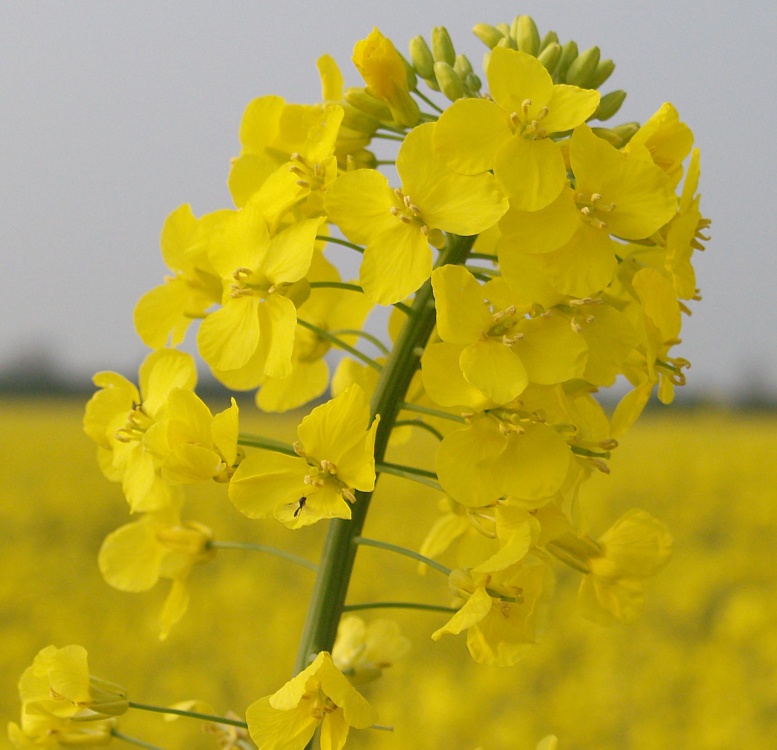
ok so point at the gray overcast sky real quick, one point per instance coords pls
(112, 114)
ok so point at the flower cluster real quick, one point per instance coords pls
(62, 704)
(532, 259)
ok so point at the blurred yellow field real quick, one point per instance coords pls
(698, 671)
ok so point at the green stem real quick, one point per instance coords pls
(133, 740)
(387, 137)
(340, 344)
(374, 340)
(398, 605)
(339, 553)
(482, 256)
(251, 547)
(421, 476)
(426, 100)
(432, 412)
(364, 542)
(420, 424)
(336, 285)
(338, 241)
(268, 444)
(189, 714)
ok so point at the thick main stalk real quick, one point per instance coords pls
(339, 553)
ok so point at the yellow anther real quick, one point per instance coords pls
(585, 211)
(347, 493)
(595, 197)
(298, 448)
(394, 211)
(328, 467)
(236, 291)
(406, 201)
(302, 183)
(405, 219)
(575, 326)
(502, 314)
(515, 121)
(525, 104)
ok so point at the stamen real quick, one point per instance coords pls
(525, 104)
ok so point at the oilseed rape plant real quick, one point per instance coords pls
(532, 257)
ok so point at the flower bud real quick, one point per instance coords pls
(618, 136)
(602, 73)
(582, 69)
(609, 104)
(421, 57)
(358, 120)
(365, 102)
(525, 33)
(487, 34)
(550, 56)
(462, 66)
(550, 38)
(472, 83)
(412, 79)
(442, 46)
(568, 54)
(449, 82)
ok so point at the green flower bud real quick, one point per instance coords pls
(442, 46)
(626, 130)
(462, 66)
(582, 69)
(489, 35)
(367, 103)
(602, 73)
(421, 57)
(568, 54)
(550, 56)
(507, 42)
(412, 80)
(449, 82)
(357, 120)
(618, 136)
(472, 83)
(361, 160)
(503, 28)
(550, 38)
(525, 33)
(609, 104)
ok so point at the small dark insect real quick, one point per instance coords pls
(301, 502)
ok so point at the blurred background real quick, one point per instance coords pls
(112, 115)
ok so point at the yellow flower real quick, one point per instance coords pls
(191, 444)
(335, 457)
(636, 547)
(135, 556)
(508, 132)
(254, 327)
(119, 416)
(385, 74)
(59, 684)
(296, 137)
(318, 696)
(46, 731)
(331, 310)
(498, 612)
(361, 652)
(163, 314)
(397, 226)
